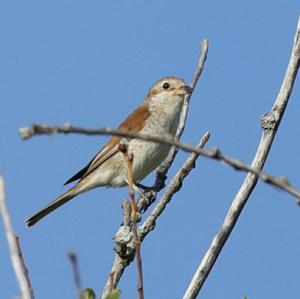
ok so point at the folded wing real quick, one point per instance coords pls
(134, 123)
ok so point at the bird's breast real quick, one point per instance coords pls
(147, 156)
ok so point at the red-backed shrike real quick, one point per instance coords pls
(157, 115)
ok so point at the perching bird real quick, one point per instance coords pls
(157, 115)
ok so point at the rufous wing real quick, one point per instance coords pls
(133, 123)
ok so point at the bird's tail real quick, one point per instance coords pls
(59, 201)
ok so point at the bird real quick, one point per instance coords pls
(158, 115)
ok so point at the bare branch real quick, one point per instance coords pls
(43, 129)
(215, 154)
(270, 124)
(201, 63)
(15, 249)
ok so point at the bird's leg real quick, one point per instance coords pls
(147, 196)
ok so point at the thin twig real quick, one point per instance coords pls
(129, 160)
(201, 63)
(73, 259)
(42, 129)
(270, 124)
(214, 153)
(15, 249)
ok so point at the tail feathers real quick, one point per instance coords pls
(62, 199)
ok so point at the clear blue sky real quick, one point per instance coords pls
(90, 63)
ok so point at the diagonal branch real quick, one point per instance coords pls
(270, 123)
(15, 249)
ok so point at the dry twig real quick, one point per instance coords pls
(73, 259)
(214, 153)
(15, 249)
(129, 160)
(270, 123)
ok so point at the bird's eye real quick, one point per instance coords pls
(166, 85)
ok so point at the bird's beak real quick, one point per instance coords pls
(186, 89)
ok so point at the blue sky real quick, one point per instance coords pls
(91, 63)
